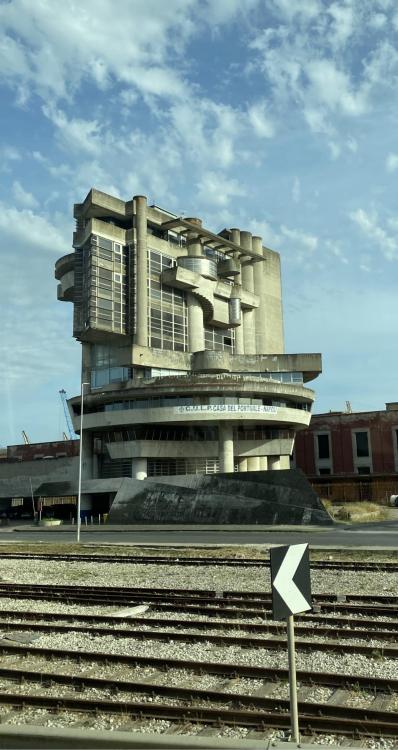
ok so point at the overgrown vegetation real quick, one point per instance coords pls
(360, 511)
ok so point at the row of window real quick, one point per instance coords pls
(203, 400)
(361, 451)
(187, 433)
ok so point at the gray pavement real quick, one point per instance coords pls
(370, 535)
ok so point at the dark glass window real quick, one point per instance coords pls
(362, 444)
(324, 471)
(363, 469)
(323, 446)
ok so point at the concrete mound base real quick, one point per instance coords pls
(269, 497)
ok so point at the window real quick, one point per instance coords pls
(363, 469)
(323, 446)
(323, 471)
(362, 445)
(168, 322)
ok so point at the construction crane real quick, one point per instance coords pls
(62, 394)
(25, 438)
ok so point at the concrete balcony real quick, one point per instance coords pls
(64, 265)
(209, 414)
(66, 287)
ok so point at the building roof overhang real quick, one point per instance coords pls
(215, 241)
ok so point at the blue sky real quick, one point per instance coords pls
(277, 116)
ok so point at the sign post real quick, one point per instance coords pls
(291, 594)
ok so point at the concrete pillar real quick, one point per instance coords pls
(196, 331)
(242, 464)
(194, 248)
(226, 447)
(249, 331)
(196, 334)
(263, 463)
(259, 271)
(139, 468)
(253, 463)
(141, 335)
(284, 462)
(273, 463)
(236, 292)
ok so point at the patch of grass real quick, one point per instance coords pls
(356, 511)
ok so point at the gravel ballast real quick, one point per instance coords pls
(215, 578)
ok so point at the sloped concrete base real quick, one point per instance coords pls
(269, 497)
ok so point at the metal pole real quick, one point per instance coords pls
(79, 493)
(292, 680)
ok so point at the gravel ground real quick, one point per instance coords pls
(213, 578)
(168, 576)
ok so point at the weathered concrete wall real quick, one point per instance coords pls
(15, 477)
(273, 497)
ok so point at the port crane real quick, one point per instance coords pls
(62, 394)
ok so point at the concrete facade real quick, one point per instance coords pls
(182, 345)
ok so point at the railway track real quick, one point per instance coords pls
(245, 641)
(338, 565)
(201, 693)
(208, 707)
(235, 603)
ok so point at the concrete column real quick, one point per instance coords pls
(236, 292)
(196, 331)
(284, 462)
(226, 447)
(273, 463)
(249, 331)
(263, 463)
(196, 334)
(242, 464)
(253, 463)
(194, 248)
(139, 468)
(141, 336)
(259, 271)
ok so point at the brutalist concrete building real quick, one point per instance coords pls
(182, 345)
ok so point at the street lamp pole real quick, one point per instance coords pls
(79, 493)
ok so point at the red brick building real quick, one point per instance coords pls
(350, 445)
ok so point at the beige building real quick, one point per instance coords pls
(182, 345)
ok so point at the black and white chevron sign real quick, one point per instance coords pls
(290, 580)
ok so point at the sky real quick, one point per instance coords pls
(276, 116)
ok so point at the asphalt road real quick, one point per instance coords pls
(383, 534)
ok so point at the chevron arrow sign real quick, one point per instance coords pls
(290, 580)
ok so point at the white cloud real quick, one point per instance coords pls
(392, 162)
(343, 23)
(352, 144)
(307, 241)
(23, 197)
(32, 229)
(216, 189)
(371, 228)
(260, 120)
(335, 149)
(333, 87)
(335, 249)
(378, 20)
(325, 61)
(51, 48)
(296, 190)
(75, 133)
